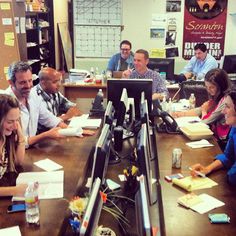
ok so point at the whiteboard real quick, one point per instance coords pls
(97, 27)
(96, 41)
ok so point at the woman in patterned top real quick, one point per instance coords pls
(12, 146)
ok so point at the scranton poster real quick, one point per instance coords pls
(204, 22)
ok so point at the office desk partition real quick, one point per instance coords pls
(76, 91)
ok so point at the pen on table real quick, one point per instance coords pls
(197, 172)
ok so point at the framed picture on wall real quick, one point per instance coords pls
(173, 5)
(156, 33)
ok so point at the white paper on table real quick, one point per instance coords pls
(122, 178)
(51, 184)
(84, 122)
(48, 165)
(189, 120)
(12, 231)
(200, 144)
(208, 204)
(71, 131)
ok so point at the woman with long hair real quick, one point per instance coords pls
(12, 146)
(217, 84)
(228, 158)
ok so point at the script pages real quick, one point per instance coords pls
(51, 184)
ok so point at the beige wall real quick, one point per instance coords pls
(60, 9)
(137, 21)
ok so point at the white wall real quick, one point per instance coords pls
(137, 21)
(60, 8)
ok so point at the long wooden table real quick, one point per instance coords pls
(73, 154)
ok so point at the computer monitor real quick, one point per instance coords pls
(143, 219)
(166, 65)
(93, 211)
(229, 64)
(101, 155)
(109, 114)
(122, 108)
(144, 162)
(144, 116)
(134, 89)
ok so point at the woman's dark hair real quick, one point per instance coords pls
(219, 78)
(232, 95)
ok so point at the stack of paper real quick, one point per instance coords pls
(199, 144)
(194, 183)
(84, 122)
(201, 204)
(48, 165)
(189, 200)
(51, 184)
(12, 231)
(77, 131)
(188, 120)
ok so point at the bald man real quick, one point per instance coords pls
(54, 101)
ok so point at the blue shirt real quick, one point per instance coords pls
(199, 68)
(114, 63)
(158, 84)
(228, 158)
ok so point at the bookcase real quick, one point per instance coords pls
(40, 36)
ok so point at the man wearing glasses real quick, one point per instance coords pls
(123, 60)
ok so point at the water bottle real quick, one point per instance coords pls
(164, 103)
(92, 75)
(96, 71)
(192, 101)
(32, 204)
(100, 94)
(169, 109)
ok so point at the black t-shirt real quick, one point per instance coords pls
(123, 64)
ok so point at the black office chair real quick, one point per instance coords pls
(194, 86)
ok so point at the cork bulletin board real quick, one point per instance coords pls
(8, 41)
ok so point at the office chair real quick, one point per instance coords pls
(196, 87)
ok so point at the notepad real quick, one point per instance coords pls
(201, 204)
(51, 184)
(194, 183)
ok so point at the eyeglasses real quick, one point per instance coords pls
(125, 49)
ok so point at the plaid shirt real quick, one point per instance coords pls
(158, 84)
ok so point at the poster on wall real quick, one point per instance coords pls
(204, 22)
